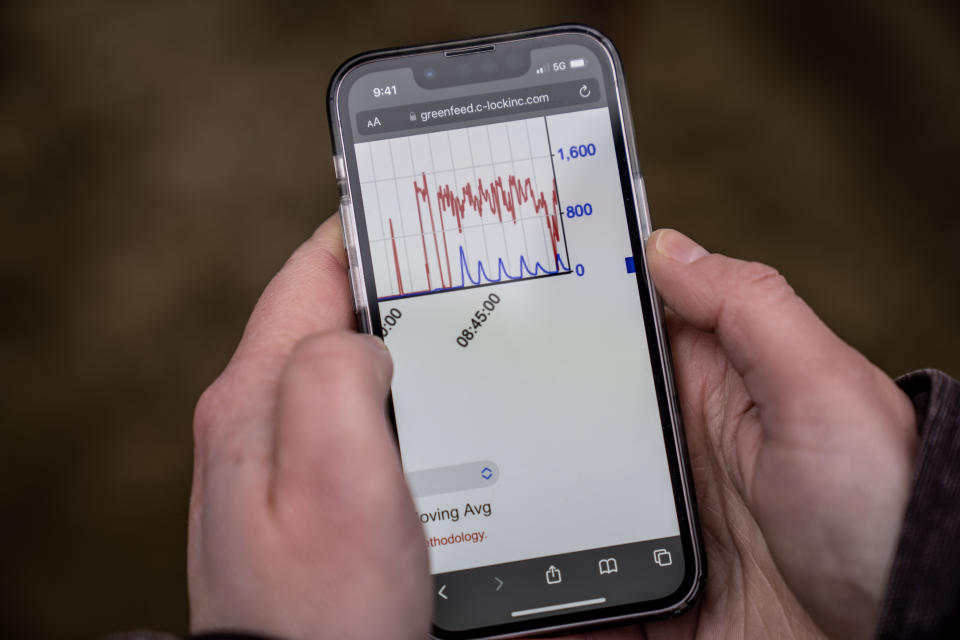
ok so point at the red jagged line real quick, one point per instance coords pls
(396, 258)
(497, 199)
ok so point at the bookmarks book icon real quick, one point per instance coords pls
(608, 565)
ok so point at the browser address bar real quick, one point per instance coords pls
(478, 107)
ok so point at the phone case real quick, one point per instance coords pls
(359, 285)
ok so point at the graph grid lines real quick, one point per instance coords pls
(464, 208)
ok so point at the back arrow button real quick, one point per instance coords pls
(440, 592)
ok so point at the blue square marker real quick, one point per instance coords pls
(631, 268)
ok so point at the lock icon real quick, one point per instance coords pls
(413, 117)
(553, 575)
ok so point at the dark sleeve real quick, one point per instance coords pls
(923, 596)
(158, 635)
(228, 635)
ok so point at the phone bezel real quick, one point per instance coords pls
(368, 317)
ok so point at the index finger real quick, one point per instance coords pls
(233, 418)
(309, 294)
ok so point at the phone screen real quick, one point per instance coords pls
(499, 244)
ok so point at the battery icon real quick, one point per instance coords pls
(576, 63)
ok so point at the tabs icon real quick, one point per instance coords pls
(662, 557)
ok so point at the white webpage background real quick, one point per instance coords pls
(556, 388)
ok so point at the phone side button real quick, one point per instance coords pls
(345, 222)
(343, 235)
(361, 322)
(362, 325)
(339, 169)
(354, 286)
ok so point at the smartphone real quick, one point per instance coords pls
(494, 219)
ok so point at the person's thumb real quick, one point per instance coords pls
(784, 352)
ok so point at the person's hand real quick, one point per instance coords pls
(301, 525)
(802, 454)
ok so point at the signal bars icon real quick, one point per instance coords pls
(539, 70)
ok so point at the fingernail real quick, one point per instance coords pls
(679, 247)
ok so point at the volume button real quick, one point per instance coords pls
(640, 194)
(352, 258)
(355, 289)
(339, 168)
(343, 224)
(343, 234)
(348, 230)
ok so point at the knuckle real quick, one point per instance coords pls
(337, 360)
(758, 274)
(758, 281)
(208, 412)
(749, 287)
(324, 347)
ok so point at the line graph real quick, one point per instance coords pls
(456, 209)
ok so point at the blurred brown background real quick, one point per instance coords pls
(159, 160)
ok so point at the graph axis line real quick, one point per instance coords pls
(417, 294)
(563, 225)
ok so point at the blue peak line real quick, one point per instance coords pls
(482, 278)
(502, 272)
